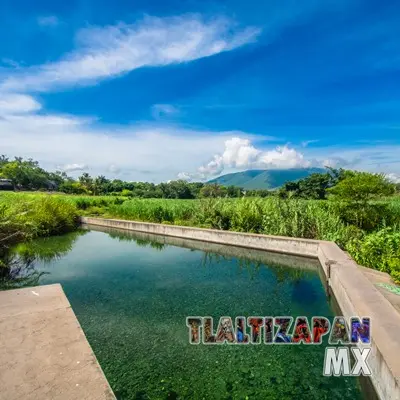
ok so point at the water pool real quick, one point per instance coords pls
(132, 292)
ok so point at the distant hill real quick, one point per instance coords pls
(264, 179)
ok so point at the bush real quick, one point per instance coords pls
(95, 211)
(127, 193)
(362, 187)
(50, 216)
(379, 250)
(26, 216)
(368, 217)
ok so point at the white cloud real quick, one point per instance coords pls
(239, 153)
(395, 178)
(72, 167)
(336, 162)
(185, 176)
(143, 152)
(50, 20)
(157, 152)
(17, 103)
(378, 158)
(104, 52)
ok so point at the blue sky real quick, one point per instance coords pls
(155, 90)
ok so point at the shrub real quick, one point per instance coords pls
(24, 216)
(369, 217)
(379, 250)
(362, 187)
(127, 193)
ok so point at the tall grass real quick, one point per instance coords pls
(23, 217)
(379, 250)
(295, 218)
(26, 216)
(156, 210)
(272, 216)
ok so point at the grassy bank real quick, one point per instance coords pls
(370, 232)
(23, 217)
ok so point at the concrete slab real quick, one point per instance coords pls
(376, 278)
(44, 353)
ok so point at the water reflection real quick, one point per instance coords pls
(18, 265)
(15, 272)
(285, 267)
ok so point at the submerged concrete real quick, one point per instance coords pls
(354, 291)
(44, 353)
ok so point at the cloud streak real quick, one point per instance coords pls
(17, 104)
(72, 167)
(50, 20)
(160, 110)
(105, 52)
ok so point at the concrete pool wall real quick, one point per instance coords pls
(354, 292)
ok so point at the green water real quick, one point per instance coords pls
(132, 292)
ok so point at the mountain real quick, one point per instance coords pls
(264, 179)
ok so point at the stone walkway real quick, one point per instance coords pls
(44, 353)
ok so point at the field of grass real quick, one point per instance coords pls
(371, 234)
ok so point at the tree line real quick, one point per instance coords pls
(28, 175)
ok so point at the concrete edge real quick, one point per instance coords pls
(354, 293)
(111, 394)
(280, 244)
(263, 256)
(357, 296)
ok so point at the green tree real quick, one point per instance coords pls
(24, 174)
(72, 187)
(362, 187)
(100, 185)
(87, 181)
(314, 186)
(352, 197)
(213, 190)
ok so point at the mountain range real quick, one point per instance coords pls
(264, 179)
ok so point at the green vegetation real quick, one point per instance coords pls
(23, 218)
(27, 175)
(381, 248)
(359, 211)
